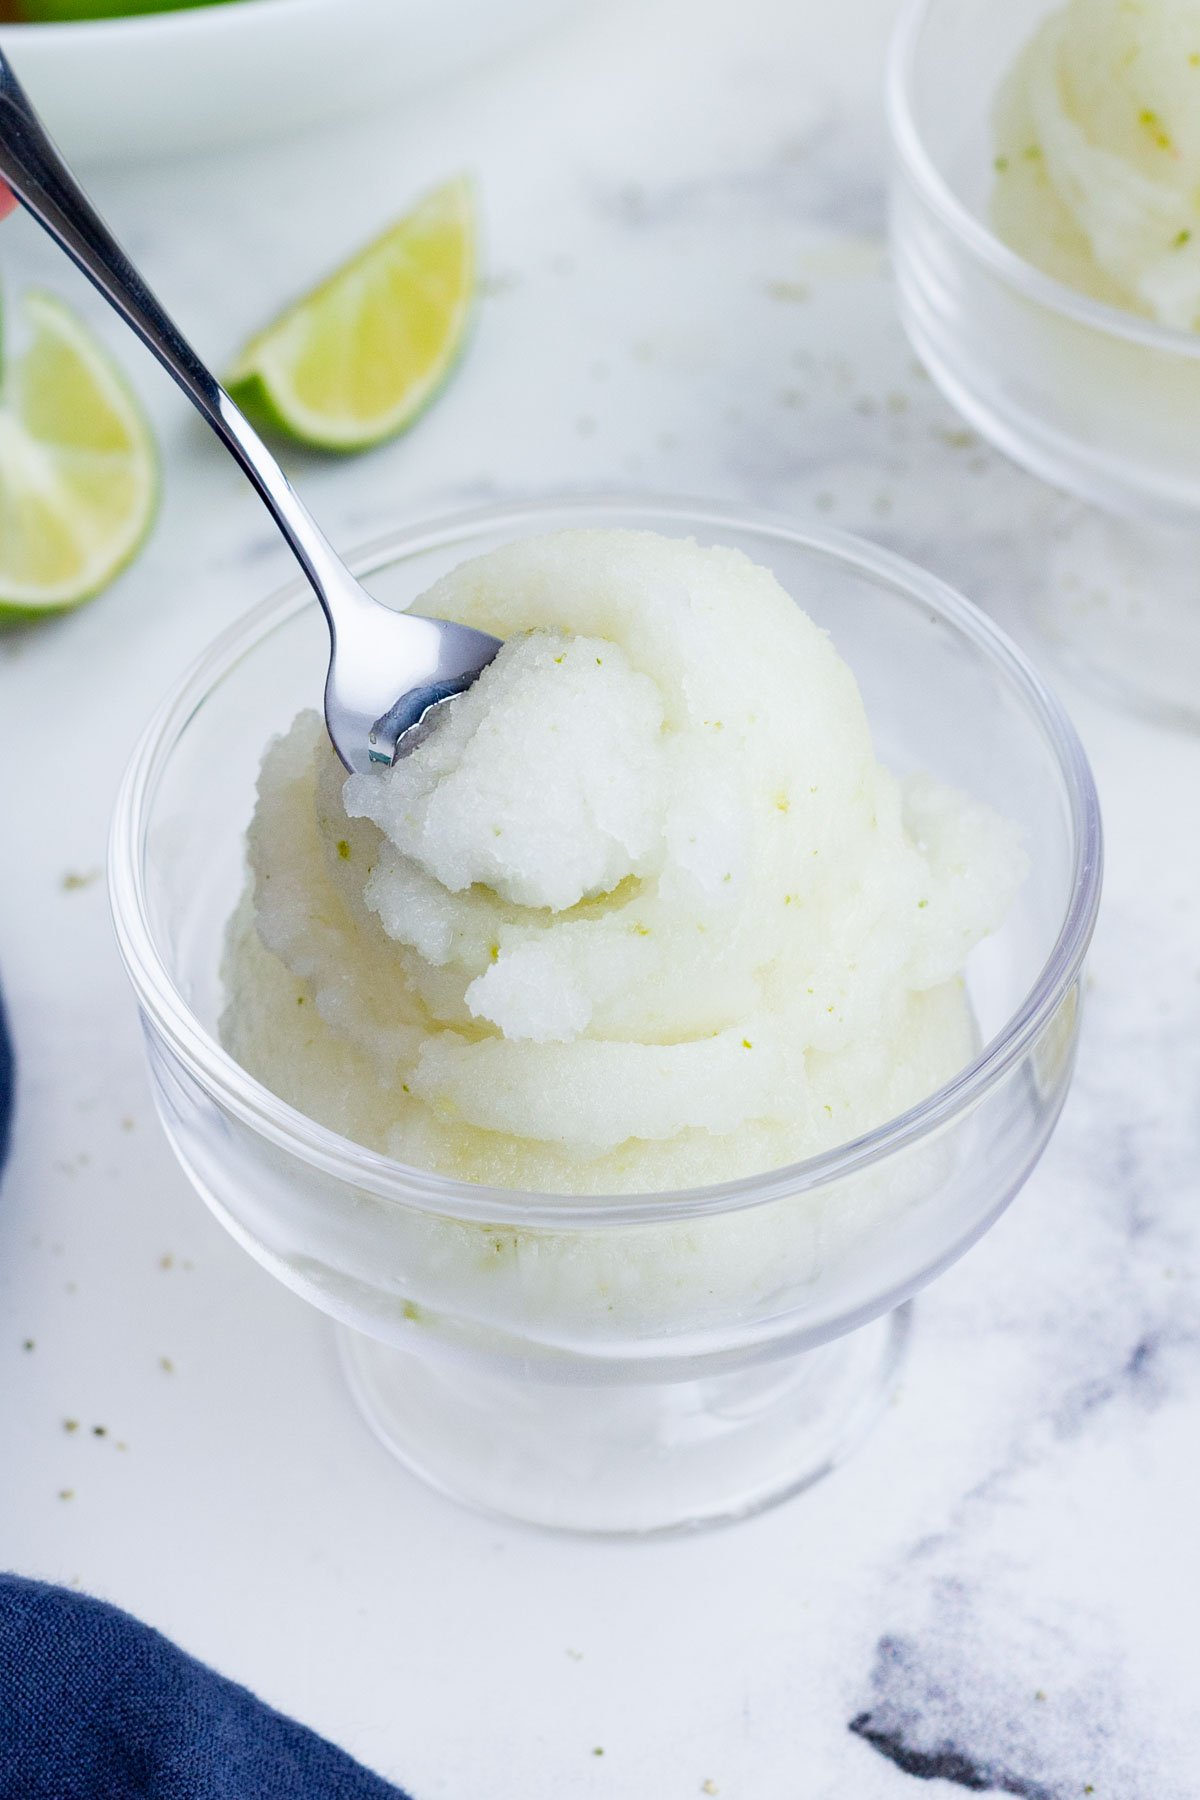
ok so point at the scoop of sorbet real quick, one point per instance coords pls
(1098, 172)
(545, 782)
(642, 911)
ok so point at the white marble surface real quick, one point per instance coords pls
(687, 293)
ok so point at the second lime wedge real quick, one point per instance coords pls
(356, 360)
(60, 12)
(78, 468)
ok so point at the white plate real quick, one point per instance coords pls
(217, 75)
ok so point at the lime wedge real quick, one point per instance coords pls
(356, 360)
(78, 468)
(55, 12)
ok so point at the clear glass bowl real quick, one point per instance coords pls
(1095, 400)
(636, 1363)
(1091, 398)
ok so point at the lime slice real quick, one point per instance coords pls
(356, 360)
(78, 468)
(62, 11)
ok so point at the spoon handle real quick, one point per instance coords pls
(41, 180)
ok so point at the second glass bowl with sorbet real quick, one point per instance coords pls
(1046, 239)
(701, 983)
(1046, 233)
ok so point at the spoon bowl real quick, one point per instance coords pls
(387, 674)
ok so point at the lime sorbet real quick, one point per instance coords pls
(1098, 154)
(641, 912)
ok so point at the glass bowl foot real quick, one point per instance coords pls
(625, 1457)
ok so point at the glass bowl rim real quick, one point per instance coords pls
(340, 1157)
(918, 164)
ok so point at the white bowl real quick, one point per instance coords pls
(217, 75)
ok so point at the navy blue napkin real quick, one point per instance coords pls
(95, 1705)
(8, 1082)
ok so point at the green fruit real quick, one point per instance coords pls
(61, 12)
(357, 359)
(78, 468)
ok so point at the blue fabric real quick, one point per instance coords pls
(8, 1082)
(96, 1706)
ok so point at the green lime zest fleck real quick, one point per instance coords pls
(746, 1044)
(1181, 238)
(343, 850)
(1001, 165)
(795, 291)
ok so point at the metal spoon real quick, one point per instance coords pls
(386, 669)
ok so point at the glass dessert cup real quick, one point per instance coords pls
(1095, 400)
(644, 1362)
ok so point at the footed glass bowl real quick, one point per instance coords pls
(639, 1363)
